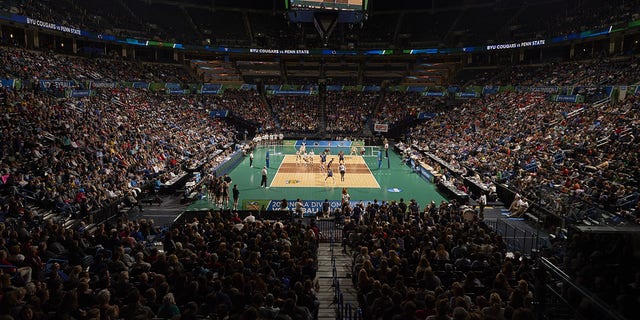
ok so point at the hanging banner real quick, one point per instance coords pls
(46, 85)
(426, 115)
(487, 90)
(219, 113)
(78, 93)
(172, 86)
(622, 92)
(103, 85)
(567, 98)
(140, 85)
(210, 88)
(177, 91)
(433, 94)
(551, 89)
(466, 95)
(381, 127)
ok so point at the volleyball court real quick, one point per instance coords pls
(303, 167)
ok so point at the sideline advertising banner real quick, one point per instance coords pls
(6, 83)
(323, 143)
(310, 208)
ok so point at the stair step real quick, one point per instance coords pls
(327, 259)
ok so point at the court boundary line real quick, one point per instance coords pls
(370, 172)
(361, 159)
(278, 170)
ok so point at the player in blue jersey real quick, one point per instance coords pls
(323, 160)
(330, 175)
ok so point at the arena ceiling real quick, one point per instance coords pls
(374, 5)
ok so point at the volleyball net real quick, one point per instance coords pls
(349, 148)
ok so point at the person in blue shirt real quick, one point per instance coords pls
(326, 208)
(330, 175)
(323, 160)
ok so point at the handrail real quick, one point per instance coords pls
(349, 314)
(598, 303)
(344, 312)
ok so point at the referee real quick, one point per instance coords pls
(263, 182)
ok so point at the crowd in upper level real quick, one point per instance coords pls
(247, 105)
(35, 65)
(348, 112)
(397, 106)
(295, 113)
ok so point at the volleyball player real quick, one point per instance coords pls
(345, 199)
(323, 160)
(329, 175)
(342, 169)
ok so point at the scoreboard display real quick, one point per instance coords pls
(350, 5)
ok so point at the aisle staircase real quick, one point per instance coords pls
(338, 298)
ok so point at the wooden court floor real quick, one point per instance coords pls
(309, 174)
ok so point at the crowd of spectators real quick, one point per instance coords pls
(99, 17)
(215, 268)
(296, 113)
(528, 142)
(397, 106)
(348, 111)
(431, 263)
(601, 71)
(246, 104)
(579, 17)
(34, 65)
(78, 154)
(577, 161)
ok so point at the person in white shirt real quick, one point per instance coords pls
(250, 218)
(263, 182)
(298, 208)
(482, 202)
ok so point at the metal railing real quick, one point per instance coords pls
(517, 239)
(559, 286)
(328, 227)
(344, 311)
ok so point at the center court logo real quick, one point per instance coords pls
(292, 181)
